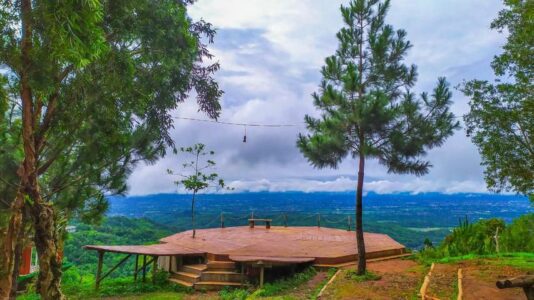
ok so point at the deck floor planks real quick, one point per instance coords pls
(277, 242)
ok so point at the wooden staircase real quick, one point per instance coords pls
(214, 275)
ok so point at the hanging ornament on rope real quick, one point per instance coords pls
(245, 136)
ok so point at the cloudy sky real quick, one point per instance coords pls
(271, 52)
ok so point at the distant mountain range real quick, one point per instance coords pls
(406, 217)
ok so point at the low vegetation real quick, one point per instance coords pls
(485, 237)
(76, 285)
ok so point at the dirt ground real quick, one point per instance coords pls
(479, 281)
(443, 282)
(400, 279)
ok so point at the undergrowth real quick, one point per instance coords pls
(368, 276)
(277, 287)
(74, 286)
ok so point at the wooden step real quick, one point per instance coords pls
(214, 285)
(221, 265)
(186, 276)
(181, 282)
(195, 269)
(223, 276)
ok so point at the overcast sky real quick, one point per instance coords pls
(271, 52)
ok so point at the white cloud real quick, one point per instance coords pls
(271, 53)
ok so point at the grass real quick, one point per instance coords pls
(234, 294)
(280, 286)
(331, 272)
(76, 287)
(520, 260)
(368, 276)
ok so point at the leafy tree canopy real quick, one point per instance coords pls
(104, 76)
(501, 119)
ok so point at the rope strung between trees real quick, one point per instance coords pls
(239, 124)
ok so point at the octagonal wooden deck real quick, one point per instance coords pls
(285, 245)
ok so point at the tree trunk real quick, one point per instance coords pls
(359, 217)
(17, 257)
(47, 244)
(10, 245)
(193, 215)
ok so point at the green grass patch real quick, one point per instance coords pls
(368, 276)
(75, 286)
(234, 294)
(280, 286)
(318, 289)
(521, 260)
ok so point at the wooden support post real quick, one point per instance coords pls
(222, 220)
(144, 268)
(242, 273)
(154, 269)
(262, 271)
(348, 223)
(136, 267)
(285, 220)
(99, 269)
(170, 263)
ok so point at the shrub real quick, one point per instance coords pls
(233, 294)
(279, 286)
(519, 236)
(479, 239)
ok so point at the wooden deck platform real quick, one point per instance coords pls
(283, 245)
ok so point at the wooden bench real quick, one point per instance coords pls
(252, 222)
(526, 282)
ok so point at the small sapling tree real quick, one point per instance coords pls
(196, 176)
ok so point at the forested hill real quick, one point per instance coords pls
(406, 217)
(113, 231)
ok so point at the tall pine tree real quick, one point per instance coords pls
(368, 110)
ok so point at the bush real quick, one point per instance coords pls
(519, 236)
(479, 239)
(279, 286)
(233, 294)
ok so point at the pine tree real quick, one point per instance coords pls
(368, 110)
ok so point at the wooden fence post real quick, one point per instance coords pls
(144, 268)
(99, 269)
(154, 269)
(136, 267)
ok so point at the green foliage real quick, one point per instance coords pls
(519, 236)
(521, 260)
(196, 179)
(368, 276)
(113, 231)
(280, 286)
(501, 117)
(233, 294)
(77, 286)
(104, 77)
(475, 238)
(368, 110)
(366, 103)
(479, 239)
